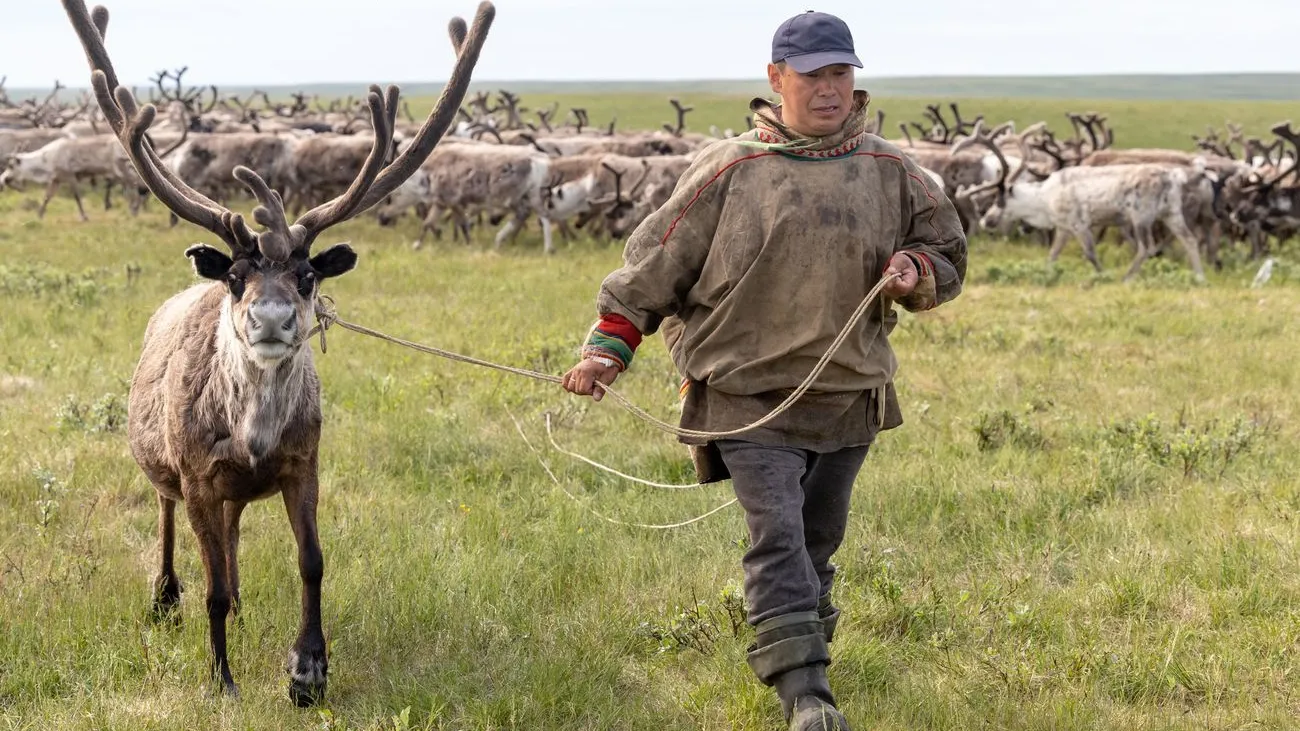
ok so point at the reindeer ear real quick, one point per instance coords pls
(209, 263)
(334, 261)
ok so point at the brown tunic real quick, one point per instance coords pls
(766, 247)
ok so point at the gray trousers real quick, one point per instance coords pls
(797, 507)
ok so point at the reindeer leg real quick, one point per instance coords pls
(308, 664)
(430, 225)
(1059, 239)
(1178, 227)
(50, 190)
(462, 224)
(167, 586)
(508, 231)
(206, 520)
(76, 196)
(1089, 247)
(108, 195)
(232, 511)
(1213, 239)
(548, 244)
(1145, 240)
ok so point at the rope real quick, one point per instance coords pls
(551, 436)
(666, 526)
(327, 315)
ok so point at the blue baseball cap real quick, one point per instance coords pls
(811, 40)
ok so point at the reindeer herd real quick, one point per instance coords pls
(503, 164)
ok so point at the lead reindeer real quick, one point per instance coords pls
(225, 400)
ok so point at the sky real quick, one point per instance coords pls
(273, 42)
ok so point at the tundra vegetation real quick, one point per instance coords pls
(1088, 520)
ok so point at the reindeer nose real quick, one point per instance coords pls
(271, 319)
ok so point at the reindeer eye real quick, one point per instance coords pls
(236, 285)
(306, 283)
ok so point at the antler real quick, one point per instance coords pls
(130, 122)
(544, 115)
(1098, 132)
(940, 126)
(513, 110)
(979, 136)
(579, 117)
(681, 118)
(645, 173)
(902, 126)
(961, 126)
(39, 113)
(1284, 131)
(478, 129)
(530, 139)
(1087, 123)
(1048, 146)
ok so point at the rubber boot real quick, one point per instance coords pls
(829, 614)
(790, 654)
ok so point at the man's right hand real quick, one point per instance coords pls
(581, 379)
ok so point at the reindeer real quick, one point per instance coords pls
(960, 171)
(319, 166)
(464, 179)
(643, 144)
(224, 405)
(208, 161)
(1076, 199)
(1264, 203)
(72, 161)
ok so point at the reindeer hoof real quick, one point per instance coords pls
(167, 602)
(307, 678)
(166, 614)
(304, 695)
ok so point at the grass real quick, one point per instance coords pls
(1086, 522)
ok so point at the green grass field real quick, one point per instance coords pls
(1088, 520)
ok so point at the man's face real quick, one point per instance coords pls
(816, 103)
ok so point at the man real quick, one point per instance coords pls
(768, 244)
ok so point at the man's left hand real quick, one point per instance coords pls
(901, 263)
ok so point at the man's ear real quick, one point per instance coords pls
(209, 263)
(334, 261)
(774, 77)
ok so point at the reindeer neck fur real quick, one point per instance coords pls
(260, 398)
(1028, 201)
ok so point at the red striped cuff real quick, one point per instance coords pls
(924, 267)
(621, 328)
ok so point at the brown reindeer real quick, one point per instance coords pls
(225, 403)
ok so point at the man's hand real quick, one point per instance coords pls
(901, 263)
(581, 379)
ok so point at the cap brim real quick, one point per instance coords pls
(809, 62)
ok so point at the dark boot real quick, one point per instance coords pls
(790, 655)
(829, 614)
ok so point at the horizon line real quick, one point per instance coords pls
(730, 80)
